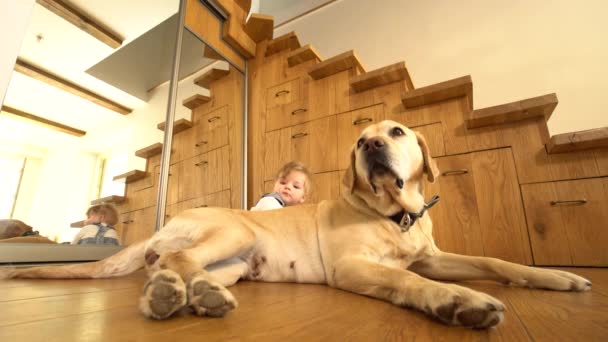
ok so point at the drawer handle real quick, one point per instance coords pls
(573, 202)
(540, 228)
(204, 162)
(202, 206)
(198, 144)
(360, 121)
(301, 110)
(281, 93)
(159, 174)
(213, 119)
(127, 221)
(299, 135)
(455, 172)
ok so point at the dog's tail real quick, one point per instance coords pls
(122, 263)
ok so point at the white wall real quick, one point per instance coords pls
(14, 18)
(512, 49)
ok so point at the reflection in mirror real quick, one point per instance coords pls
(79, 125)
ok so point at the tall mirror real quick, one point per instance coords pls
(83, 126)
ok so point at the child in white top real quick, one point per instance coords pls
(98, 229)
(291, 187)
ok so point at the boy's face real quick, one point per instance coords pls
(291, 188)
(94, 218)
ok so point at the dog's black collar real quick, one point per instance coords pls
(405, 220)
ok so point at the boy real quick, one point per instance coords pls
(292, 187)
(98, 227)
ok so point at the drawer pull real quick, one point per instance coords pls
(455, 172)
(204, 162)
(573, 202)
(361, 121)
(299, 135)
(301, 110)
(159, 174)
(200, 143)
(127, 221)
(540, 228)
(281, 93)
(202, 206)
(213, 119)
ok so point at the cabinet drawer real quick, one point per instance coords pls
(283, 93)
(211, 120)
(567, 221)
(350, 126)
(433, 134)
(210, 140)
(289, 114)
(205, 174)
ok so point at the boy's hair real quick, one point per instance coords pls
(297, 166)
(108, 211)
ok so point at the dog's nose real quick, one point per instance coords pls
(373, 144)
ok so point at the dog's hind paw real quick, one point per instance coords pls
(209, 298)
(164, 294)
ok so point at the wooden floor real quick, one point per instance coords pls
(106, 310)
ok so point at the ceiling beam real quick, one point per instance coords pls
(83, 21)
(44, 122)
(63, 84)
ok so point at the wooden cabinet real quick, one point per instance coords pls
(568, 221)
(480, 212)
(205, 174)
(136, 225)
(313, 143)
(350, 125)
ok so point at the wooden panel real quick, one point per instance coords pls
(334, 65)
(208, 121)
(196, 100)
(233, 31)
(130, 176)
(83, 21)
(303, 54)
(283, 93)
(179, 125)
(277, 152)
(350, 126)
(601, 158)
(207, 78)
(210, 140)
(576, 141)
(329, 95)
(288, 41)
(218, 199)
(139, 226)
(56, 126)
(218, 170)
(194, 177)
(325, 186)
(174, 185)
(458, 87)
(541, 106)
(433, 134)
(388, 74)
(314, 144)
(500, 208)
(205, 24)
(288, 114)
(39, 74)
(108, 199)
(150, 151)
(260, 27)
(456, 222)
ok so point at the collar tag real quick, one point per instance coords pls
(405, 223)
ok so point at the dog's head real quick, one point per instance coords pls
(387, 168)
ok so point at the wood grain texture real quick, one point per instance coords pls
(130, 176)
(326, 186)
(56, 126)
(260, 27)
(577, 141)
(288, 41)
(336, 64)
(233, 31)
(149, 151)
(108, 199)
(83, 21)
(540, 106)
(303, 54)
(196, 100)
(205, 79)
(49, 78)
(382, 76)
(179, 125)
(458, 87)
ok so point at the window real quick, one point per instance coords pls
(112, 166)
(11, 169)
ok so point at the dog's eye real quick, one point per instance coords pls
(360, 142)
(397, 132)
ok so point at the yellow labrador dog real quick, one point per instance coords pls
(376, 241)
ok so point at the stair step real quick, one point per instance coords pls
(458, 87)
(301, 55)
(260, 27)
(576, 141)
(130, 176)
(178, 126)
(78, 224)
(287, 41)
(214, 74)
(196, 100)
(334, 65)
(514, 111)
(108, 199)
(379, 77)
(150, 151)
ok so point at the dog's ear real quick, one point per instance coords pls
(350, 176)
(430, 167)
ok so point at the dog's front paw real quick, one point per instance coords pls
(462, 306)
(209, 298)
(164, 294)
(552, 280)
